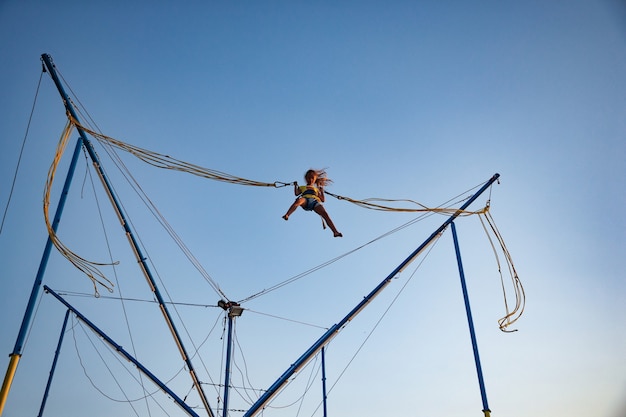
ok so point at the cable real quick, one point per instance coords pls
(314, 372)
(80, 360)
(107, 297)
(368, 203)
(19, 159)
(286, 319)
(245, 375)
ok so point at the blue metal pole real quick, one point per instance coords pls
(141, 259)
(324, 379)
(19, 344)
(54, 364)
(229, 347)
(333, 330)
(34, 294)
(470, 322)
(124, 353)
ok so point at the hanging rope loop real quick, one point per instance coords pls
(89, 268)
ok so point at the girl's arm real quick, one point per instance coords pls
(296, 189)
(321, 194)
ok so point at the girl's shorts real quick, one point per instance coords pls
(310, 204)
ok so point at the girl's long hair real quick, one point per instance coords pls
(322, 179)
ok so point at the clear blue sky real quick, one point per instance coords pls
(412, 100)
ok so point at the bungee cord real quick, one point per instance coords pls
(89, 268)
(372, 204)
(520, 296)
(167, 162)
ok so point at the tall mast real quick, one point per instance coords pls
(234, 310)
(141, 259)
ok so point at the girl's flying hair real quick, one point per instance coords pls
(322, 180)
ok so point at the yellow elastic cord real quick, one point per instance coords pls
(89, 268)
(167, 162)
(370, 204)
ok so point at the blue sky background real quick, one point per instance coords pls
(414, 100)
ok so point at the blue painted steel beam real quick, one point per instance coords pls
(54, 364)
(124, 353)
(34, 294)
(19, 344)
(470, 322)
(229, 348)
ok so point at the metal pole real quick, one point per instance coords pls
(233, 310)
(54, 364)
(34, 294)
(124, 353)
(470, 322)
(330, 333)
(229, 348)
(141, 259)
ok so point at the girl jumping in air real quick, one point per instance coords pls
(311, 196)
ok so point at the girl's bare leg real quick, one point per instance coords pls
(294, 206)
(319, 209)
